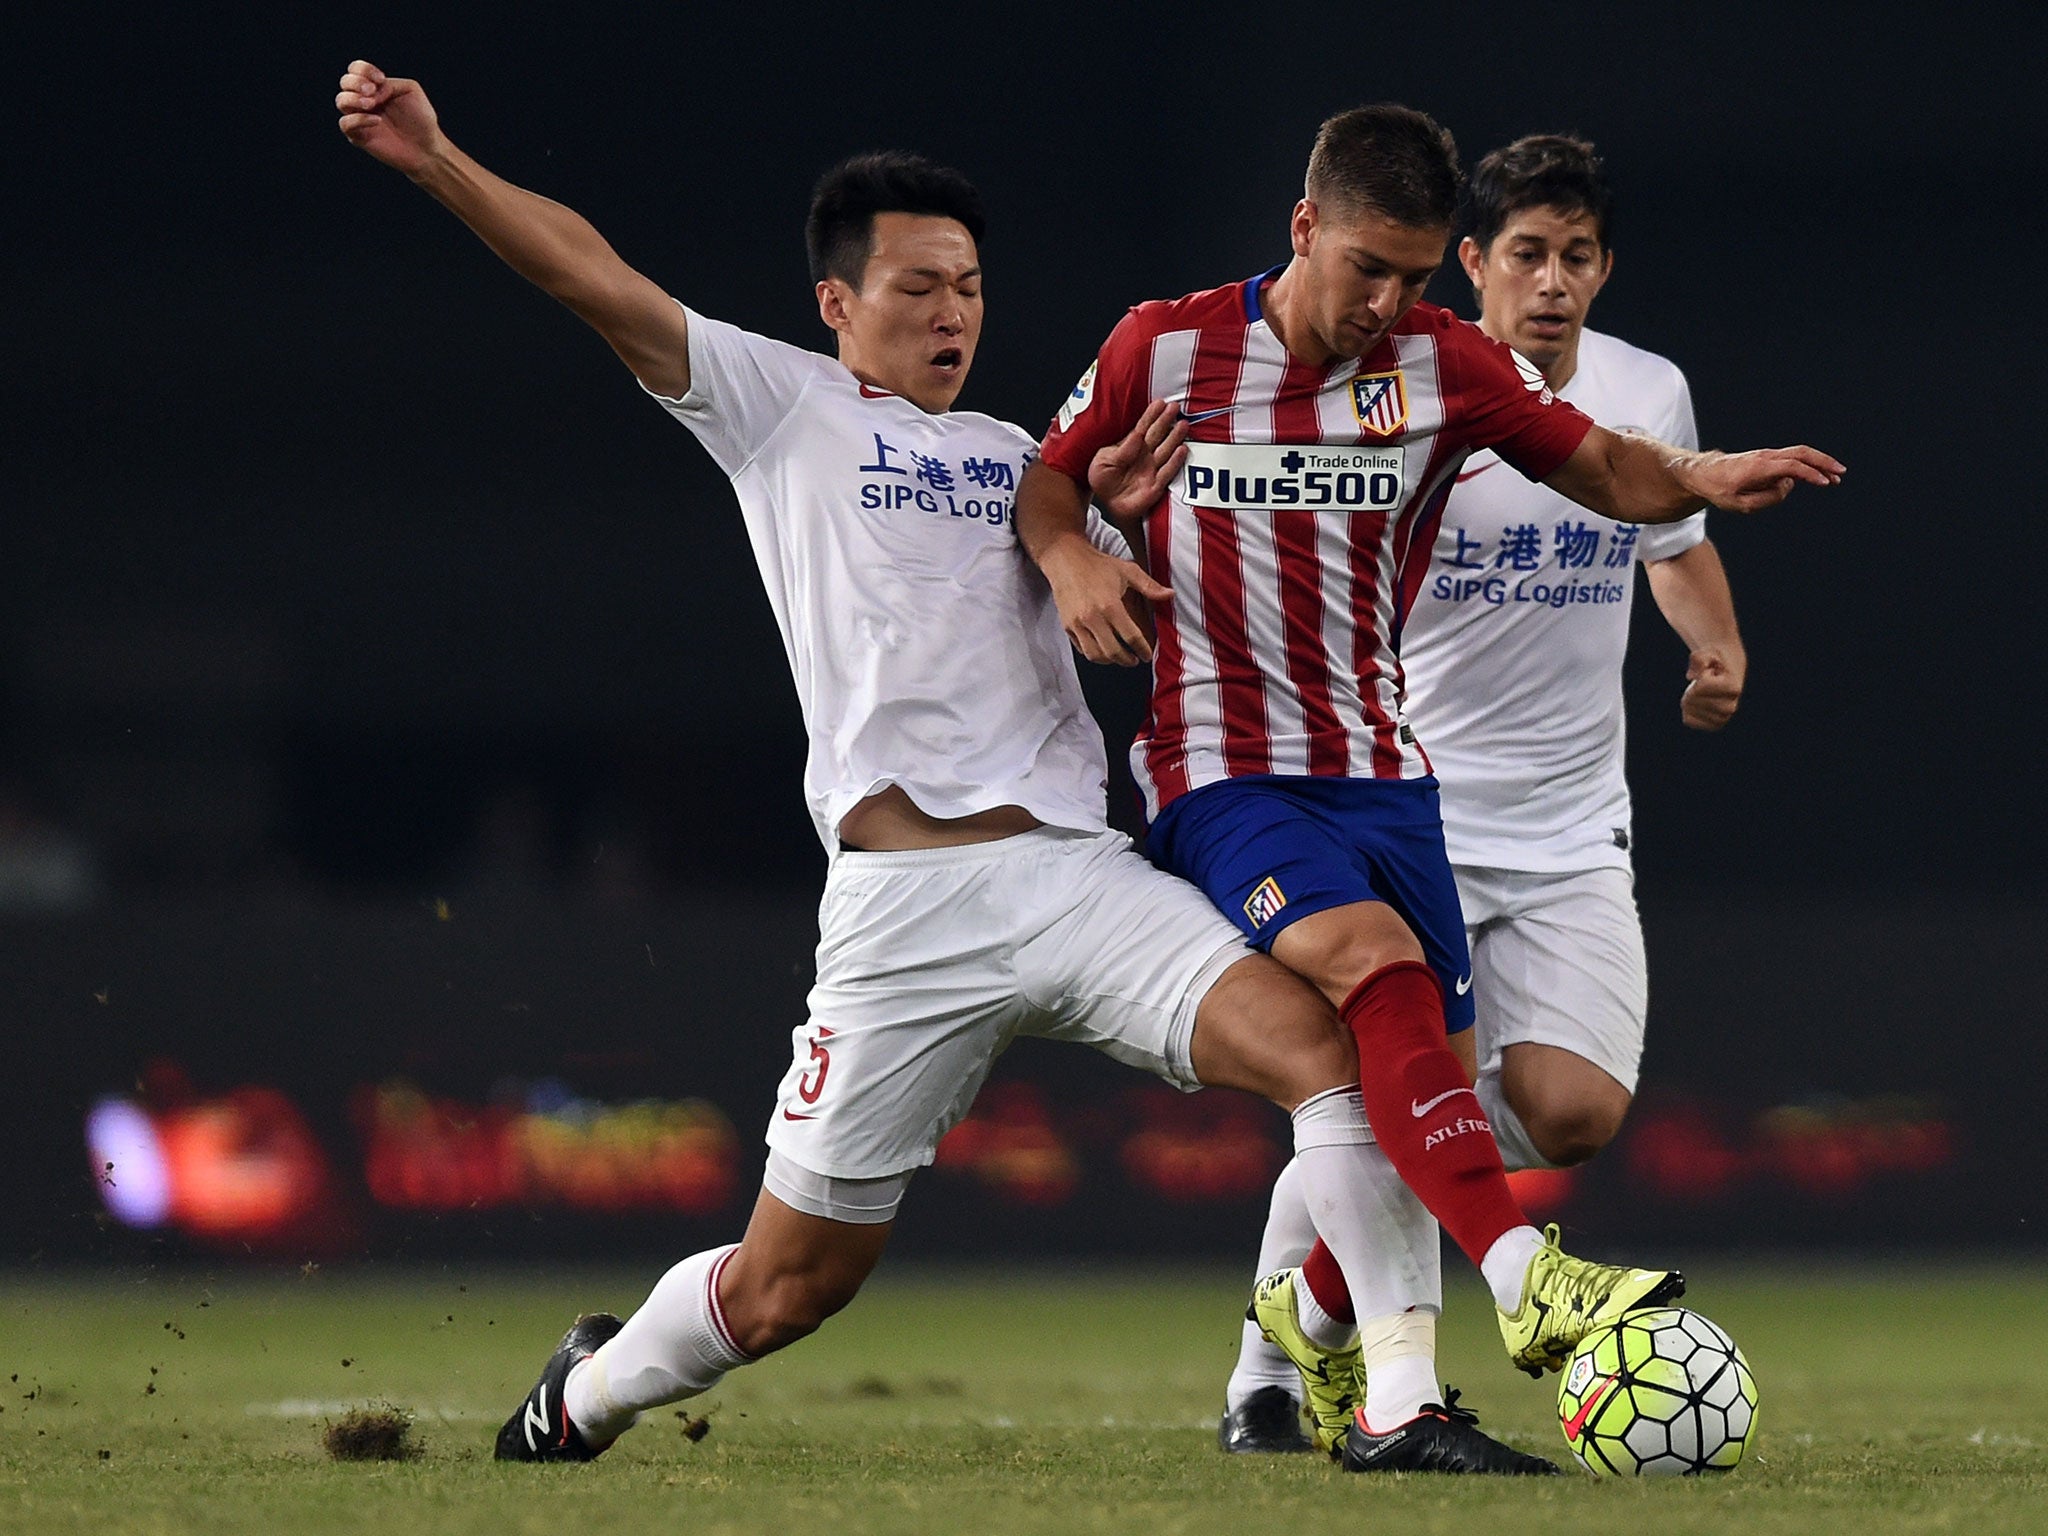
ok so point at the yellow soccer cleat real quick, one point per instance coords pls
(1564, 1299)
(1332, 1379)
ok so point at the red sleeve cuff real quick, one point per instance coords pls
(1559, 441)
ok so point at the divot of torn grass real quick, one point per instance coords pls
(380, 1432)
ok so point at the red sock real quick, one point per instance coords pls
(1424, 1113)
(1325, 1282)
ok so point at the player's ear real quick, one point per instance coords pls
(1472, 257)
(1302, 227)
(1606, 268)
(832, 297)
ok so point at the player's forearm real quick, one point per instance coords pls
(1052, 516)
(1691, 591)
(1647, 481)
(553, 247)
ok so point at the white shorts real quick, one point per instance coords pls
(931, 962)
(1557, 959)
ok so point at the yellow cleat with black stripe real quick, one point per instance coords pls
(1564, 1299)
(1332, 1379)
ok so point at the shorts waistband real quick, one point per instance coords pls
(962, 854)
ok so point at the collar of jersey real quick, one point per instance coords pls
(1253, 314)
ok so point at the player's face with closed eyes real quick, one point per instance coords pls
(912, 326)
(1366, 272)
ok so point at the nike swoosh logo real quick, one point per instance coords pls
(1419, 1110)
(1577, 1422)
(1470, 473)
(790, 1115)
(1221, 410)
(1464, 984)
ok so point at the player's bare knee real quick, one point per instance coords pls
(1325, 1060)
(1568, 1133)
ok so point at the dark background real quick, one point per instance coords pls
(340, 572)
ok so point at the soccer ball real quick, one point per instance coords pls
(1662, 1393)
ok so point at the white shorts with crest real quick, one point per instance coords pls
(931, 962)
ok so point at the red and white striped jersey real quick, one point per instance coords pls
(1297, 535)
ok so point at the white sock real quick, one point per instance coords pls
(1517, 1149)
(1288, 1238)
(1400, 1367)
(1382, 1236)
(1323, 1330)
(1259, 1365)
(1506, 1266)
(674, 1347)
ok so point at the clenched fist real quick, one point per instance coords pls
(391, 119)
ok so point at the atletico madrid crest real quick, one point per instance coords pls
(1264, 904)
(1381, 402)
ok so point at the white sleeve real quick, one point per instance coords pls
(1105, 536)
(742, 387)
(1663, 541)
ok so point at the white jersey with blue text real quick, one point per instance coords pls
(926, 649)
(1513, 650)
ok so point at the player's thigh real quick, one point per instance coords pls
(1563, 967)
(915, 997)
(1264, 1029)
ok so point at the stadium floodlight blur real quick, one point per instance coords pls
(545, 1146)
(246, 1166)
(243, 1167)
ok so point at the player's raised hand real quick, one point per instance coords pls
(1763, 477)
(391, 119)
(1130, 476)
(1713, 690)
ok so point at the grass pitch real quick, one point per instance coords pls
(1899, 1399)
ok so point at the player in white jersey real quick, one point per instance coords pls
(1537, 817)
(1513, 658)
(975, 892)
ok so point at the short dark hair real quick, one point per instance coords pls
(840, 232)
(1543, 170)
(1386, 159)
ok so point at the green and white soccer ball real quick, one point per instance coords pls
(1662, 1393)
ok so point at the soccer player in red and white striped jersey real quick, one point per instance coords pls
(1326, 413)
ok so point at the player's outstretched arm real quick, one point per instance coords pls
(551, 246)
(1691, 590)
(1636, 479)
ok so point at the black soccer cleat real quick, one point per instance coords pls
(1441, 1438)
(540, 1430)
(1266, 1423)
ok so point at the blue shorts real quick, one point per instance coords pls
(1270, 850)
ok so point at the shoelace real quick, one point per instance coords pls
(1582, 1286)
(1451, 1409)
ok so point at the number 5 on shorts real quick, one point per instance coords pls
(812, 1082)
